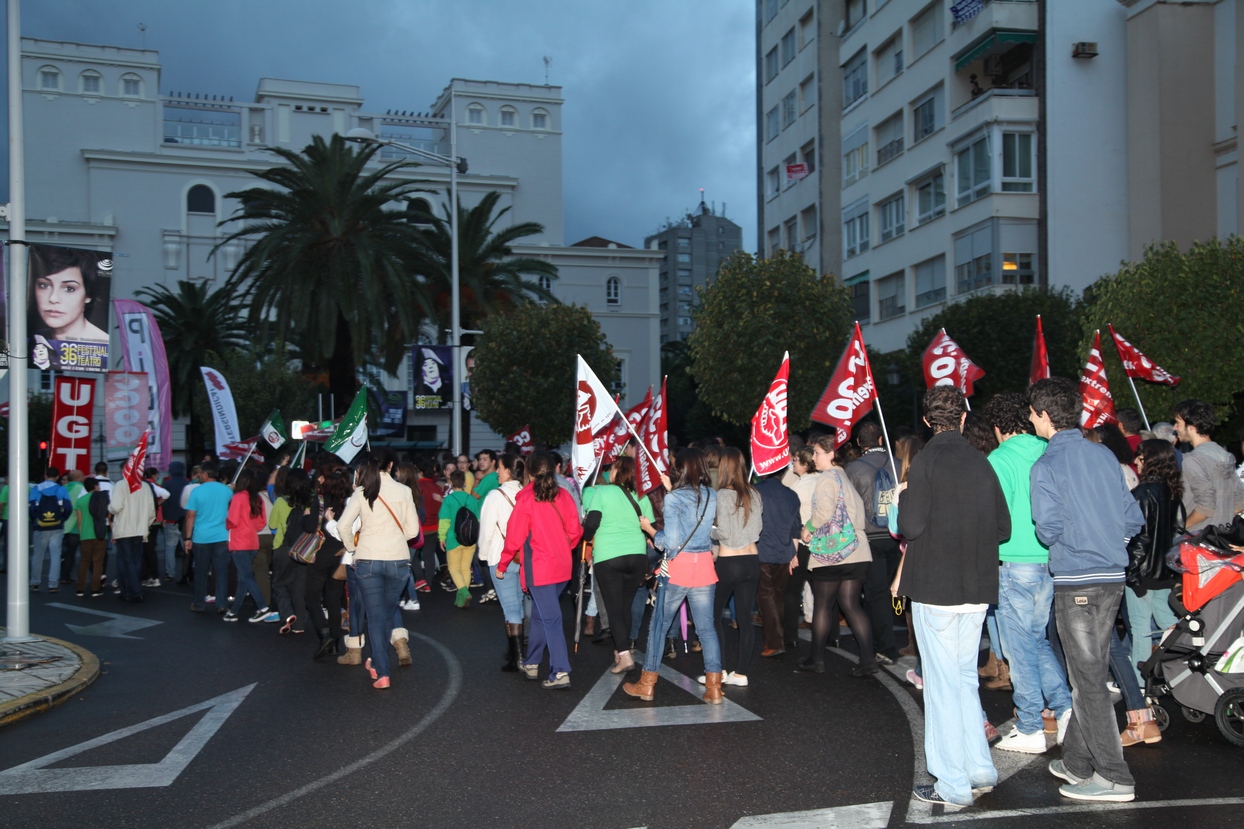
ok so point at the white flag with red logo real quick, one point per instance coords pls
(1098, 403)
(770, 440)
(618, 433)
(238, 450)
(655, 449)
(1040, 369)
(523, 439)
(132, 472)
(850, 393)
(945, 364)
(594, 408)
(1138, 366)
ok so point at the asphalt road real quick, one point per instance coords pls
(273, 739)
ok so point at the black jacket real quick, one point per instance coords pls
(1147, 569)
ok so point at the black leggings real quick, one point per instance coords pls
(324, 593)
(848, 595)
(738, 576)
(619, 580)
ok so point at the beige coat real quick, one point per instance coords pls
(825, 498)
(132, 512)
(380, 536)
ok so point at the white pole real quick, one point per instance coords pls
(242, 465)
(455, 289)
(18, 620)
(1139, 405)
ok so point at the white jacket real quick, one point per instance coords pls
(493, 517)
(132, 512)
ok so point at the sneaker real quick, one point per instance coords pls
(79, 593)
(34, 588)
(734, 678)
(530, 671)
(95, 594)
(991, 733)
(476, 583)
(260, 615)
(1064, 720)
(272, 616)
(449, 587)
(210, 600)
(558, 680)
(1097, 788)
(421, 586)
(915, 679)
(57, 590)
(230, 616)
(866, 669)
(1059, 770)
(490, 596)
(1017, 740)
(929, 794)
(883, 659)
(410, 604)
(151, 583)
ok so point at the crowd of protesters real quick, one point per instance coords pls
(1010, 519)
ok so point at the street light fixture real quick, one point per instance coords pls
(456, 166)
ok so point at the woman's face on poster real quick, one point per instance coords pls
(431, 372)
(61, 298)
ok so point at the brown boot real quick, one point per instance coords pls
(589, 625)
(1141, 728)
(712, 688)
(352, 656)
(622, 662)
(645, 689)
(1001, 682)
(402, 646)
(990, 669)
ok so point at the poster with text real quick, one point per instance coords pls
(67, 308)
(434, 377)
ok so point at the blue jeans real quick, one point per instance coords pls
(214, 556)
(170, 537)
(955, 749)
(129, 565)
(50, 542)
(993, 627)
(509, 594)
(244, 561)
(1142, 611)
(358, 611)
(1025, 596)
(380, 584)
(700, 602)
(546, 628)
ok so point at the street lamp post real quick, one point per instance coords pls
(456, 165)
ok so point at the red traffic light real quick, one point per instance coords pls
(43, 446)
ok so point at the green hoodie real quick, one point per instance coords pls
(1012, 462)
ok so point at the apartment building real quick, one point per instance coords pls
(692, 249)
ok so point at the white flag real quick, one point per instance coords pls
(593, 410)
(224, 415)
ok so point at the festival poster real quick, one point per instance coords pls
(67, 308)
(434, 377)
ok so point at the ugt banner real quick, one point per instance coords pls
(127, 401)
(142, 349)
(71, 424)
(651, 459)
(67, 308)
(1098, 403)
(945, 364)
(770, 441)
(850, 393)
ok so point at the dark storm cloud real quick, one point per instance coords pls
(659, 94)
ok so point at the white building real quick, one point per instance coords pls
(116, 162)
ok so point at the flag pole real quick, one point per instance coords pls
(639, 442)
(1140, 405)
(242, 465)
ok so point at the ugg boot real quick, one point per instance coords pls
(990, 669)
(645, 689)
(622, 662)
(1141, 728)
(712, 688)
(513, 632)
(1001, 682)
(354, 651)
(589, 625)
(400, 638)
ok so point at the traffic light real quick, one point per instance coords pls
(43, 448)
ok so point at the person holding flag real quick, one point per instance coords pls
(133, 511)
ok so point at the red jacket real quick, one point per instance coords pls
(554, 531)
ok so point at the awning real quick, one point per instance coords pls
(855, 280)
(992, 42)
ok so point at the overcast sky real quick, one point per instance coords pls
(659, 94)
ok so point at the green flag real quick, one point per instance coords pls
(351, 434)
(273, 430)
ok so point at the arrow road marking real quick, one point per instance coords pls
(34, 777)
(117, 627)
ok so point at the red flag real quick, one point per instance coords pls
(850, 393)
(770, 440)
(523, 438)
(945, 364)
(132, 472)
(1095, 391)
(72, 408)
(1040, 369)
(619, 434)
(1138, 366)
(238, 450)
(656, 439)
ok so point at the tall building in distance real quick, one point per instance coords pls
(692, 248)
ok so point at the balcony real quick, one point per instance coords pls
(1008, 103)
(1014, 15)
(890, 151)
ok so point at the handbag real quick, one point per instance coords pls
(835, 540)
(308, 544)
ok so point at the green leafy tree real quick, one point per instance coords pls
(491, 279)
(1185, 311)
(329, 265)
(748, 316)
(525, 368)
(997, 332)
(689, 418)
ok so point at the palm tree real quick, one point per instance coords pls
(329, 266)
(491, 278)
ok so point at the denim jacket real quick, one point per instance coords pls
(682, 511)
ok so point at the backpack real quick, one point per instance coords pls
(884, 488)
(466, 526)
(47, 513)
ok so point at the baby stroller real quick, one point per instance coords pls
(1187, 661)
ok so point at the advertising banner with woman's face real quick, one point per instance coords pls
(434, 386)
(67, 308)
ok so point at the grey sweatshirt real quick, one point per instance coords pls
(731, 530)
(1211, 486)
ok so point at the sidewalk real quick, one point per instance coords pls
(41, 673)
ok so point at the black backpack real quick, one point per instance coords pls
(466, 526)
(47, 513)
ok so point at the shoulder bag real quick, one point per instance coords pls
(308, 544)
(835, 540)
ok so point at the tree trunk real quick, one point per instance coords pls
(343, 381)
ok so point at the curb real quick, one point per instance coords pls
(35, 703)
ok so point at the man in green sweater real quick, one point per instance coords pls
(486, 474)
(1025, 589)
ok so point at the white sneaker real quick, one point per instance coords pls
(1064, 719)
(734, 678)
(410, 604)
(1026, 743)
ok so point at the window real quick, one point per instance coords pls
(684, 307)
(49, 79)
(792, 233)
(771, 64)
(892, 296)
(855, 156)
(46, 382)
(545, 282)
(1017, 269)
(930, 281)
(684, 243)
(807, 154)
(613, 291)
(924, 116)
(684, 258)
(861, 297)
(806, 33)
(684, 275)
(539, 119)
(890, 138)
(807, 93)
(893, 214)
(926, 30)
(685, 322)
(509, 117)
(685, 290)
(974, 260)
(931, 198)
(854, 79)
(807, 219)
(91, 83)
(788, 47)
(972, 172)
(855, 228)
(618, 386)
(131, 86)
(855, 12)
(475, 115)
(788, 110)
(202, 127)
(786, 163)
(200, 199)
(771, 9)
(771, 124)
(889, 59)
(1017, 163)
(773, 182)
(775, 240)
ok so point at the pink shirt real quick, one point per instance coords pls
(243, 527)
(692, 570)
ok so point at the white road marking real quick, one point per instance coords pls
(117, 626)
(861, 816)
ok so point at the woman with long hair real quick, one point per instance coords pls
(1149, 578)
(736, 531)
(619, 551)
(494, 517)
(407, 474)
(542, 533)
(289, 578)
(798, 599)
(841, 579)
(386, 516)
(244, 520)
(324, 593)
(686, 572)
